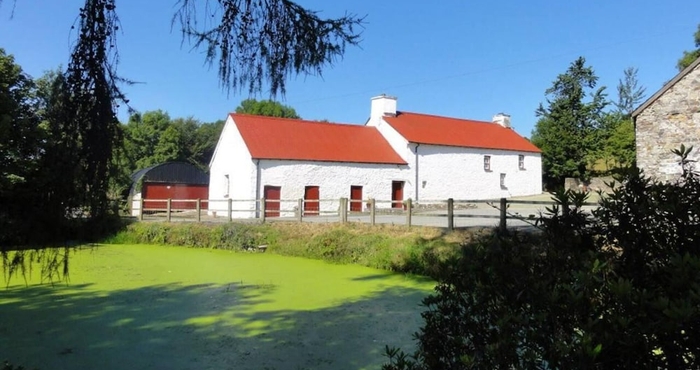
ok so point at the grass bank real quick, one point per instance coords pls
(416, 250)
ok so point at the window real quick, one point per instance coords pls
(503, 181)
(487, 163)
(226, 186)
(521, 162)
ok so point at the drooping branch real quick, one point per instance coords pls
(92, 96)
(264, 41)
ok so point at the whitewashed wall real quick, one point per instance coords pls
(397, 142)
(136, 204)
(231, 158)
(453, 172)
(334, 180)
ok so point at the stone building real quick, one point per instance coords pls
(669, 118)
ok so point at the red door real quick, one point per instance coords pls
(397, 194)
(311, 203)
(272, 200)
(356, 199)
(177, 193)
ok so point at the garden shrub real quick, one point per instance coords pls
(618, 289)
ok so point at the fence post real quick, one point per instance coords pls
(169, 207)
(409, 210)
(300, 209)
(141, 209)
(450, 214)
(199, 210)
(343, 210)
(262, 210)
(504, 208)
(230, 209)
(372, 211)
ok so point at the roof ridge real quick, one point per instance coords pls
(259, 116)
(440, 116)
(667, 86)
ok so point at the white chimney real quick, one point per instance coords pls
(502, 119)
(382, 105)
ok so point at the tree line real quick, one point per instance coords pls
(580, 131)
(153, 137)
(39, 150)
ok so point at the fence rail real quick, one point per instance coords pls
(433, 212)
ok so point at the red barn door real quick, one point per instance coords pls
(175, 192)
(272, 200)
(397, 194)
(311, 204)
(356, 198)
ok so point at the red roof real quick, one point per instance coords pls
(294, 139)
(436, 130)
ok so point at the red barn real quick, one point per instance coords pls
(172, 180)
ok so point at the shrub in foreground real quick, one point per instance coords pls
(619, 290)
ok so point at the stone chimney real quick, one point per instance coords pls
(502, 119)
(383, 105)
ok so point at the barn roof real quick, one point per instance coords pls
(294, 139)
(437, 130)
(172, 172)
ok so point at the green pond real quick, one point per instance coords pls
(156, 307)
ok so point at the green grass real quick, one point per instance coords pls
(393, 248)
(147, 306)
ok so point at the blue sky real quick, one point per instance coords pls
(468, 59)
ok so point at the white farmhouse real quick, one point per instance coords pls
(395, 156)
(458, 158)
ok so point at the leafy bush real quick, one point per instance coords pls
(618, 290)
(224, 236)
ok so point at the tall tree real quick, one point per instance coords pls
(690, 56)
(616, 133)
(207, 138)
(629, 93)
(268, 108)
(142, 135)
(20, 139)
(566, 129)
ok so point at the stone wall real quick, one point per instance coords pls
(594, 184)
(671, 120)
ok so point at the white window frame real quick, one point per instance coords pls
(503, 180)
(521, 162)
(487, 163)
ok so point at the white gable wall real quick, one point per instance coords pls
(400, 145)
(231, 158)
(458, 173)
(397, 142)
(334, 180)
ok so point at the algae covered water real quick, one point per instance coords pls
(141, 306)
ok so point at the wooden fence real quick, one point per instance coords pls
(405, 211)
